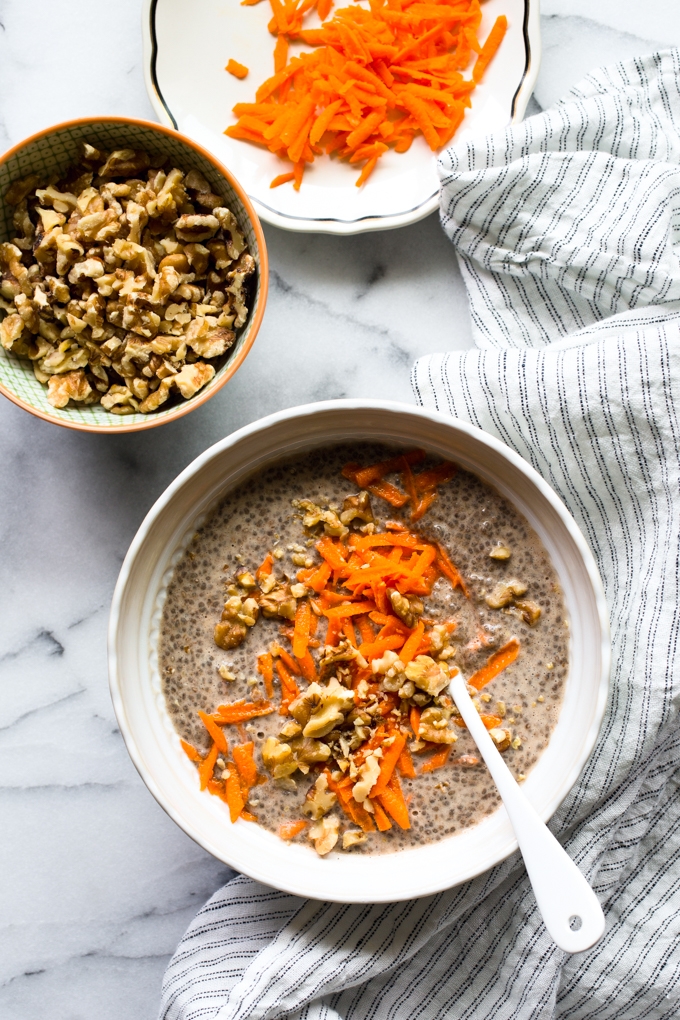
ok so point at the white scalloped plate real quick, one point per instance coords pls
(186, 47)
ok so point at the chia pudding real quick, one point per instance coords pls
(283, 626)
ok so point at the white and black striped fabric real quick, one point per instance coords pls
(567, 229)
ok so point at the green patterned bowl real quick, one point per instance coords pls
(51, 151)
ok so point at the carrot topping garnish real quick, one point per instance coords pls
(376, 649)
(405, 764)
(245, 764)
(307, 667)
(435, 476)
(330, 552)
(451, 571)
(289, 689)
(319, 578)
(289, 830)
(235, 799)
(414, 719)
(301, 633)
(238, 70)
(390, 493)
(411, 647)
(265, 568)
(395, 805)
(489, 48)
(351, 609)
(215, 732)
(288, 659)
(365, 630)
(388, 764)
(381, 819)
(437, 760)
(495, 664)
(205, 769)
(247, 816)
(358, 814)
(265, 667)
(240, 711)
(490, 721)
(190, 751)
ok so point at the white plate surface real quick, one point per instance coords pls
(154, 744)
(186, 49)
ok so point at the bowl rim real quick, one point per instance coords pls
(263, 276)
(196, 466)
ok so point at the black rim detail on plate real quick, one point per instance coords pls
(154, 55)
(527, 59)
(329, 219)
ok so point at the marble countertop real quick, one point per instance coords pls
(97, 884)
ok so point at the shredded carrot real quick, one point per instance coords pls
(303, 615)
(410, 649)
(331, 553)
(414, 719)
(282, 179)
(240, 711)
(390, 493)
(318, 579)
(495, 38)
(245, 764)
(381, 818)
(233, 789)
(215, 732)
(405, 764)
(395, 805)
(451, 571)
(307, 667)
(376, 649)
(388, 763)
(490, 721)
(289, 830)
(281, 653)
(190, 751)
(495, 664)
(289, 689)
(351, 609)
(205, 769)
(238, 70)
(437, 760)
(265, 568)
(265, 667)
(374, 79)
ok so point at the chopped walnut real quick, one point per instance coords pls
(109, 274)
(407, 609)
(427, 674)
(319, 799)
(278, 602)
(237, 616)
(368, 777)
(278, 758)
(71, 386)
(504, 593)
(529, 611)
(321, 709)
(500, 552)
(353, 837)
(314, 515)
(434, 726)
(501, 737)
(324, 834)
(333, 656)
(357, 508)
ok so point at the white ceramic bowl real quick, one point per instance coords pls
(154, 745)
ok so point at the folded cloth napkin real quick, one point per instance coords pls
(567, 229)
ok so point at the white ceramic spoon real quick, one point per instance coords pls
(570, 909)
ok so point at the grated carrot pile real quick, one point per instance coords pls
(377, 78)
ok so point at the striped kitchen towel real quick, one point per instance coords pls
(567, 229)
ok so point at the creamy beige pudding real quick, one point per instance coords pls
(312, 626)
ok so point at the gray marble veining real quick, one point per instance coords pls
(96, 883)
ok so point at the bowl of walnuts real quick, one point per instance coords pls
(133, 275)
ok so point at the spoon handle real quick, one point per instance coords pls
(570, 909)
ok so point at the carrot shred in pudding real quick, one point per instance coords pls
(358, 701)
(377, 78)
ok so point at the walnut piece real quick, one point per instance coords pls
(108, 274)
(407, 609)
(324, 834)
(357, 508)
(501, 737)
(319, 799)
(320, 709)
(500, 552)
(427, 674)
(434, 726)
(353, 837)
(504, 593)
